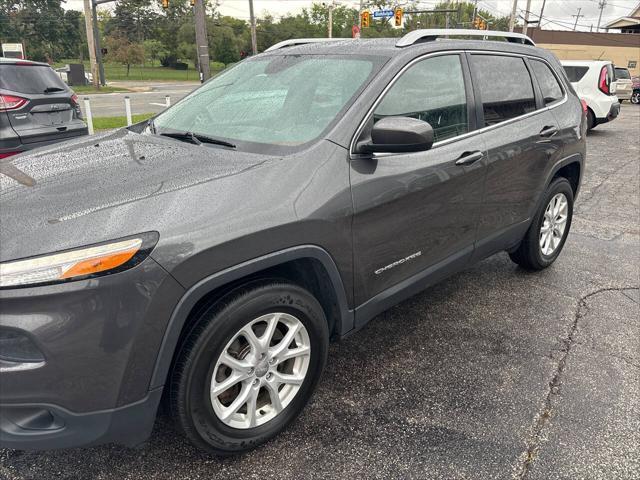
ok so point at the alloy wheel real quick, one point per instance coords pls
(260, 370)
(554, 224)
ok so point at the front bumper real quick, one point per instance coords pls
(47, 427)
(97, 342)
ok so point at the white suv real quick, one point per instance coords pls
(594, 81)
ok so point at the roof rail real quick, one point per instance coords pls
(432, 34)
(301, 41)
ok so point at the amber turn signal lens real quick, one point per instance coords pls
(100, 264)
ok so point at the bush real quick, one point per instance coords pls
(180, 66)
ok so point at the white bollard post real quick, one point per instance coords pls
(127, 107)
(87, 109)
(167, 101)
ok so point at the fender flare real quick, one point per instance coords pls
(192, 296)
(573, 158)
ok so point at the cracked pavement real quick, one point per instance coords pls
(494, 373)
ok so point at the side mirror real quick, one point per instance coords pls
(398, 135)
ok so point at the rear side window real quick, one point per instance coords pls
(575, 74)
(505, 87)
(431, 90)
(29, 78)
(551, 90)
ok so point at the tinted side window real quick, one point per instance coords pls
(575, 74)
(505, 87)
(551, 90)
(431, 90)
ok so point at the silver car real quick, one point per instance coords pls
(624, 85)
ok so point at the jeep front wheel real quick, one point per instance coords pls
(249, 367)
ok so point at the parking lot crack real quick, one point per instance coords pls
(541, 420)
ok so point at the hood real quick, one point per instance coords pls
(101, 188)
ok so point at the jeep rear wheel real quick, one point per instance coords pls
(249, 367)
(548, 231)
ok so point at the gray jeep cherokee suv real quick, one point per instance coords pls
(208, 256)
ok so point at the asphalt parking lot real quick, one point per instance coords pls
(494, 373)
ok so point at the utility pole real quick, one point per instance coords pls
(96, 36)
(88, 19)
(252, 17)
(577, 18)
(512, 19)
(202, 45)
(360, 15)
(330, 22)
(544, 2)
(601, 6)
(526, 18)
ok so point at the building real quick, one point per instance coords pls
(630, 24)
(622, 50)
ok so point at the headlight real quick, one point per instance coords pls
(86, 262)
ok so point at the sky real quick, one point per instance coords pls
(558, 14)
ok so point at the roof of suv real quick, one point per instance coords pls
(387, 47)
(14, 61)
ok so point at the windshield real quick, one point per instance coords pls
(283, 101)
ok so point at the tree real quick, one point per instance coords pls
(154, 50)
(226, 49)
(47, 31)
(134, 20)
(123, 51)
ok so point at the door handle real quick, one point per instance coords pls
(548, 131)
(467, 158)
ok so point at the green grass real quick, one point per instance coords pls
(116, 71)
(107, 123)
(90, 89)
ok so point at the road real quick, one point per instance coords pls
(147, 97)
(494, 373)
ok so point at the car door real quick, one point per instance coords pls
(415, 211)
(521, 140)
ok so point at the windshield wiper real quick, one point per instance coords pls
(197, 138)
(53, 89)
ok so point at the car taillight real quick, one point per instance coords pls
(584, 105)
(603, 84)
(7, 154)
(74, 99)
(9, 102)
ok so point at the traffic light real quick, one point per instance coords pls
(398, 16)
(476, 23)
(165, 3)
(483, 25)
(365, 19)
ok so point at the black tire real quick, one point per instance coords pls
(189, 399)
(591, 120)
(529, 254)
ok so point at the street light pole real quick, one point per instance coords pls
(330, 26)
